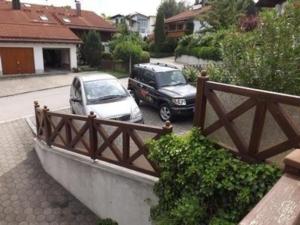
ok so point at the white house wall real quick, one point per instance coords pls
(38, 53)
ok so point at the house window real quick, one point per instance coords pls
(179, 26)
(66, 20)
(172, 27)
(44, 18)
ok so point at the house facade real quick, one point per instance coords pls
(137, 22)
(185, 22)
(39, 38)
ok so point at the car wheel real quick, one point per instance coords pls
(165, 112)
(136, 98)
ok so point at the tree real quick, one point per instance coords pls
(159, 31)
(225, 13)
(267, 58)
(171, 7)
(91, 49)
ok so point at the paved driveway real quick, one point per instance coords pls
(28, 195)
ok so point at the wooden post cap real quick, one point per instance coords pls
(36, 104)
(92, 114)
(46, 108)
(292, 160)
(168, 124)
(203, 73)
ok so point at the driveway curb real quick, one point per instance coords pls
(26, 92)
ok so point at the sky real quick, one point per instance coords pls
(108, 7)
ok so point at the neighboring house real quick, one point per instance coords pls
(40, 38)
(142, 23)
(151, 24)
(185, 22)
(136, 22)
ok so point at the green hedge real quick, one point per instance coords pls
(201, 184)
(204, 46)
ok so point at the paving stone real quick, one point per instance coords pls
(28, 195)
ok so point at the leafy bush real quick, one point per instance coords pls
(191, 73)
(128, 44)
(201, 46)
(267, 58)
(107, 55)
(126, 49)
(203, 185)
(145, 57)
(107, 222)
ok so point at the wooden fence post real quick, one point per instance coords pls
(167, 128)
(37, 121)
(126, 145)
(200, 103)
(93, 135)
(47, 125)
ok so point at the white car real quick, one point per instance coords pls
(105, 96)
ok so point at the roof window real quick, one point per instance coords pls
(67, 20)
(44, 18)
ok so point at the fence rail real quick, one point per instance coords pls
(255, 124)
(116, 142)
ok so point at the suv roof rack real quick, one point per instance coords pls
(165, 65)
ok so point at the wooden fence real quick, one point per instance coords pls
(255, 124)
(116, 142)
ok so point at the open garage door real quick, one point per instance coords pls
(17, 60)
(56, 59)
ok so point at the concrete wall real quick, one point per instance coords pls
(191, 60)
(109, 191)
(38, 53)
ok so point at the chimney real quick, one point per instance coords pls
(16, 5)
(78, 8)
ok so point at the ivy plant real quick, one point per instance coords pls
(201, 184)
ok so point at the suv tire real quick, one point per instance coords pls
(165, 112)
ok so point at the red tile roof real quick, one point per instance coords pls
(187, 15)
(27, 25)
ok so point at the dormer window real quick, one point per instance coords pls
(44, 18)
(66, 20)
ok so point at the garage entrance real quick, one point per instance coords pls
(17, 60)
(56, 59)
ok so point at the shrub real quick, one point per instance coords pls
(145, 57)
(107, 222)
(267, 58)
(191, 73)
(126, 49)
(202, 184)
(107, 56)
(201, 46)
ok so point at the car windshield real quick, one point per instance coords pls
(171, 78)
(97, 91)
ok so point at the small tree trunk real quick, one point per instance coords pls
(130, 64)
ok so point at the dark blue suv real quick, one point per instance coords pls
(164, 87)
